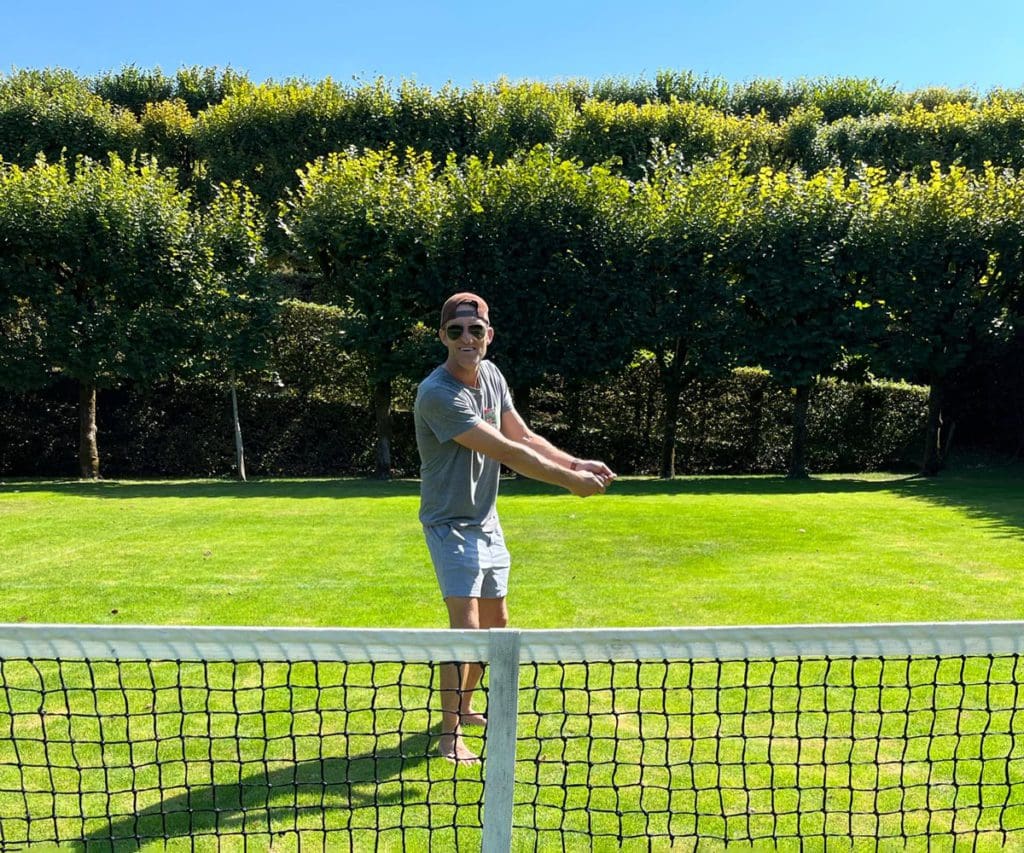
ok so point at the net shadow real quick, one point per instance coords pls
(349, 799)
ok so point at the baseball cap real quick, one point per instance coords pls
(454, 302)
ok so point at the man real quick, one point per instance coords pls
(466, 429)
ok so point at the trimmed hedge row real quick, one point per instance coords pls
(737, 424)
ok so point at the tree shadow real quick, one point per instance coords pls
(992, 494)
(723, 485)
(343, 796)
(196, 489)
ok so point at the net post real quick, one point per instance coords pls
(502, 722)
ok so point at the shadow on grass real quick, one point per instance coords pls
(194, 489)
(368, 488)
(992, 494)
(343, 795)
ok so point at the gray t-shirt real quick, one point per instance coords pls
(458, 486)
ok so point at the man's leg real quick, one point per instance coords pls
(492, 613)
(457, 683)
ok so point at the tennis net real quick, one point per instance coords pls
(789, 737)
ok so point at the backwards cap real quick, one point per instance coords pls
(455, 302)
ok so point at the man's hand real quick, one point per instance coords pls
(587, 483)
(599, 468)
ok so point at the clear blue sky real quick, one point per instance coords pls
(909, 44)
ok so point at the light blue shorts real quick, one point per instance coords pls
(469, 562)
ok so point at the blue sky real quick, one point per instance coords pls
(909, 44)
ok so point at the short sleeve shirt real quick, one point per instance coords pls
(457, 485)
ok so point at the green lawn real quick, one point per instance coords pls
(185, 751)
(696, 551)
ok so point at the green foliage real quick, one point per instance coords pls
(116, 278)
(263, 134)
(684, 269)
(951, 133)
(106, 257)
(738, 422)
(201, 87)
(167, 136)
(775, 98)
(686, 86)
(932, 97)
(135, 88)
(239, 302)
(926, 246)
(798, 297)
(132, 88)
(54, 114)
(541, 241)
(508, 118)
(375, 226)
(311, 354)
(640, 201)
(623, 90)
(838, 97)
(801, 142)
(627, 135)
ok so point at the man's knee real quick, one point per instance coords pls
(493, 613)
(463, 612)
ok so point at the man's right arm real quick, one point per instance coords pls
(485, 439)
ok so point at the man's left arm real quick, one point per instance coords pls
(514, 428)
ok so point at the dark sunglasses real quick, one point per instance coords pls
(454, 331)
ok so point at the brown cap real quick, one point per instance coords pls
(453, 303)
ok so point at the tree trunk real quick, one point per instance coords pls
(935, 445)
(756, 410)
(239, 450)
(382, 413)
(88, 453)
(798, 452)
(671, 381)
(673, 391)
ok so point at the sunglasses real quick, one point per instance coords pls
(454, 331)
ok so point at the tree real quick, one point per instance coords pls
(797, 295)
(930, 243)
(682, 265)
(112, 270)
(541, 241)
(239, 305)
(372, 225)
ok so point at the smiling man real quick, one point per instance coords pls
(466, 429)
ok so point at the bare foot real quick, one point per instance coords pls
(472, 718)
(454, 749)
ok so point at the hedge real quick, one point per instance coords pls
(736, 424)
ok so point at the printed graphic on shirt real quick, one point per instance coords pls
(491, 416)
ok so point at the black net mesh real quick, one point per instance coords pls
(212, 754)
(806, 752)
(915, 750)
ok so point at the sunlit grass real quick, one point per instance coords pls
(710, 759)
(696, 551)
